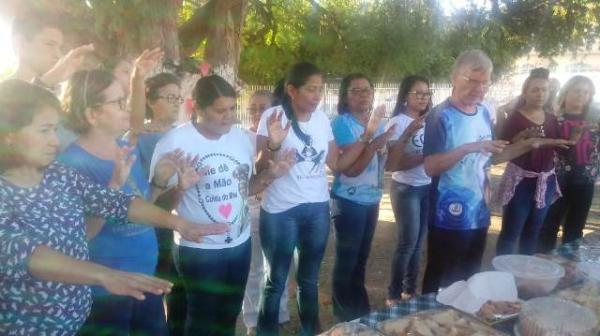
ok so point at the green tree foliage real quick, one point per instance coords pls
(388, 39)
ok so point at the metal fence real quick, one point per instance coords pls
(385, 93)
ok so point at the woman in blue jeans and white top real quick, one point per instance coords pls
(215, 270)
(295, 208)
(355, 194)
(409, 191)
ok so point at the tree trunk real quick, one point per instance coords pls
(224, 38)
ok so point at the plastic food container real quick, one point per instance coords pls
(555, 316)
(534, 276)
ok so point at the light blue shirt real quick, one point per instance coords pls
(366, 188)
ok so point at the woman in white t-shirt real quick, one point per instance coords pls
(409, 191)
(295, 207)
(215, 271)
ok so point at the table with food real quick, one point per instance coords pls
(541, 295)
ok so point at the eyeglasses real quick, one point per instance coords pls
(121, 103)
(361, 91)
(473, 82)
(422, 94)
(172, 98)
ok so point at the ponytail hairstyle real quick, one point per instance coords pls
(405, 87)
(343, 92)
(297, 77)
(84, 90)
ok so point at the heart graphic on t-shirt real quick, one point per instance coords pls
(225, 210)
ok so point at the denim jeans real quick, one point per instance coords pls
(452, 255)
(570, 211)
(114, 315)
(410, 205)
(354, 228)
(522, 220)
(304, 227)
(214, 282)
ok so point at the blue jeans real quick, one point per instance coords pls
(354, 227)
(410, 205)
(522, 220)
(123, 315)
(214, 282)
(304, 227)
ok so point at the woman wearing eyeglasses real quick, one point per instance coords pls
(409, 191)
(356, 193)
(96, 108)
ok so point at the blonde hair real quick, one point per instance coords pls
(569, 85)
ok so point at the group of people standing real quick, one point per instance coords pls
(88, 244)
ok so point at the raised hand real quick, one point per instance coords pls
(415, 125)
(145, 62)
(187, 174)
(194, 232)
(67, 65)
(123, 163)
(375, 120)
(167, 166)
(133, 284)
(282, 165)
(277, 133)
(380, 141)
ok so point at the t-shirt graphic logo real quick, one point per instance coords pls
(455, 209)
(309, 153)
(225, 210)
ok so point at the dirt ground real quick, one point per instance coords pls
(379, 263)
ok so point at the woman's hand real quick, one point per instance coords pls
(276, 133)
(123, 163)
(147, 61)
(166, 167)
(132, 284)
(194, 232)
(282, 165)
(374, 121)
(548, 142)
(380, 141)
(187, 174)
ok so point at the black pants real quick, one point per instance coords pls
(452, 255)
(570, 211)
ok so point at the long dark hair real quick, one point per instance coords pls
(343, 92)
(297, 77)
(407, 84)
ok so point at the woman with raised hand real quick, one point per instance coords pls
(577, 167)
(295, 208)
(44, 269)
(356, 193)
(215, 271)
(96, 110)
(410, 187)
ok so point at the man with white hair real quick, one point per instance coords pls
(458, 151)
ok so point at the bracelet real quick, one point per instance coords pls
(272, 149)
(156, 185)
